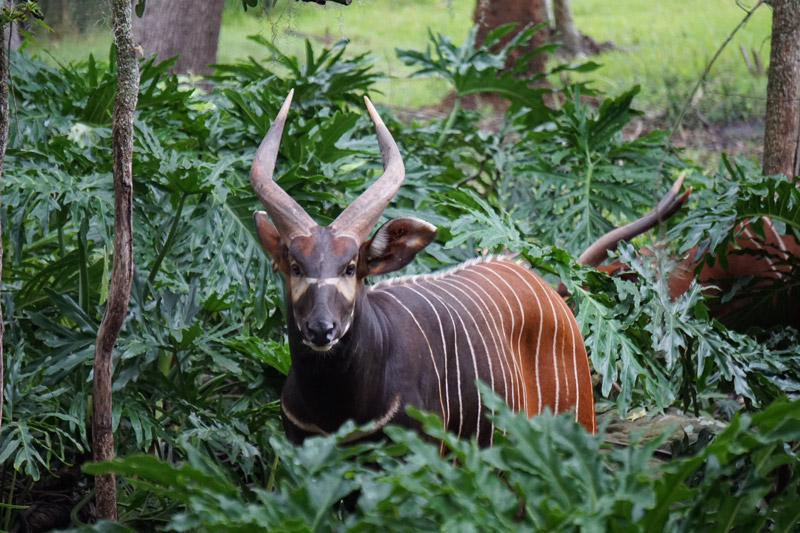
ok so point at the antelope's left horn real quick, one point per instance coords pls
(289, 218)
(361, 216)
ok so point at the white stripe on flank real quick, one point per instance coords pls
(543, 289)
(487, 267)
(563, 308)
(500, 341)
(516, 359)
(444, 350)
(463, 329)
(778, 236)
(435, 368)
(472, 351)
(754, 239)
(497, 339)
(539, 335)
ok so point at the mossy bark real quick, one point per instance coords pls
(490, 14)
(122, 273)
(4, 124)
(782, 121)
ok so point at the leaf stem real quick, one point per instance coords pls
(450, 120)
(10, 500)
(272, 473)
(588, 195)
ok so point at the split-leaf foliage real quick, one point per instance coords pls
(200, 360)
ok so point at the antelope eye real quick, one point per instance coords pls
(350, 271)
(296, 270)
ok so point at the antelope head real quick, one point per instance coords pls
(325, 266)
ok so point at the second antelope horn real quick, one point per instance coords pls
(361, 216)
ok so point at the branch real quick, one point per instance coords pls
(122, 273)
(4, 124)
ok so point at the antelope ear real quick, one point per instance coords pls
(394, 245)
(270, 240)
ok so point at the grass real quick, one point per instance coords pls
(662, 46)
(665, 46)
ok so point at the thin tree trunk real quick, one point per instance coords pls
(782, 122)
(566, 31)
(187, 28)
(547, 13)
(490, 14)
(122, 272)
(4, 124)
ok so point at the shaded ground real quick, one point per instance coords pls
(704, 143)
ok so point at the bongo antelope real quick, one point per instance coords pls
(364, 352)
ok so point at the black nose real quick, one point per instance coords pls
(321, 332)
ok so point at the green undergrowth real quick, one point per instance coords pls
(542, 474)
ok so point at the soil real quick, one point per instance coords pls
(706, 143)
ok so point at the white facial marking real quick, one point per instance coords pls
(322, 281)
(345, 286)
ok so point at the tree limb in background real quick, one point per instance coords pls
(489, 14)
(184, 28)
(688, 101)
(782, 121)
(4, 122)
(566, 31)
(122, 273)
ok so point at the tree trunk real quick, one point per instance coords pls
(782, 122)
(125, 99)
(490, 14)
(4, 124)
(566, 31)
(187, 28)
